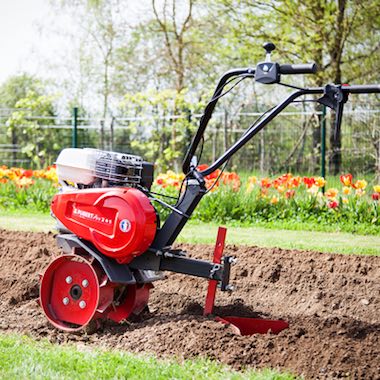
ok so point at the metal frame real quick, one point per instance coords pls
(160, 256)
(337, 95)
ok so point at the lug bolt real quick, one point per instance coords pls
(85, 283)
(82, 304)
(66, 301)
(69, 279)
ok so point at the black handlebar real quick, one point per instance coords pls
(286, 69)
(362, 88)
(301, 68)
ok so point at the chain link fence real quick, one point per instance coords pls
(293, 142)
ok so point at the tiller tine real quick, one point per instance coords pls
(239, 325)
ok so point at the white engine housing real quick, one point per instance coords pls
(88, 166)
(77, 165)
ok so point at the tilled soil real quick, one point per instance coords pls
(331, 302)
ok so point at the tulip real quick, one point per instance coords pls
(309, 182)
(290, 194)
(320, 181)
(346, 190)
(202, 167)
(333, 204)
(24, 182)
(376, 189)
(332, 193)
(346, 179)
(295, 181)
(360, 184)
(274, 200)
(375, 196)
(266, 183)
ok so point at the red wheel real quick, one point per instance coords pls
(134, 301)
(73, 292)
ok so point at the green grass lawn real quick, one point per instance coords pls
(335, 242)
(23, 358)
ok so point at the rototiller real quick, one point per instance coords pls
(114, 244)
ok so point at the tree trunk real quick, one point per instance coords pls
(14, 147)
(112, 133)
(262, 151)
(101, 134)
(225, 131)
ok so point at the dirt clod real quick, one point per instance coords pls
(331, 302)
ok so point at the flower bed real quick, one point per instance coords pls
(27, 189)
(287, 198)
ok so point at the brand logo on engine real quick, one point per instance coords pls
(125, 225)
(91, 216)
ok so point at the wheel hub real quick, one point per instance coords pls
(76, 292)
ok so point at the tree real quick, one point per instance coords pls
(341, 36)
(102, 33)
(175, 34)
(152, 137)
(32, 114)
(11, 92)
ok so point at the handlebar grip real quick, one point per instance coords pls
(362, 89)
(301, 68)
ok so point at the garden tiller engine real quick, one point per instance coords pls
(114, 244)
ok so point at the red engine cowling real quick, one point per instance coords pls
(120, 222)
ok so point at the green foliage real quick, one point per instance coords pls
(17, 87)
(359, 215)
(32, 112)
(40, 144)
(36, 197)
(21, 357)
(157, 137)
(224, 205)
(338, 36)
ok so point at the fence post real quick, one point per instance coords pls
(323, 145)
(189, 119)
(74, 136)
(112, 133)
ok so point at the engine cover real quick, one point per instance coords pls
(120, 222)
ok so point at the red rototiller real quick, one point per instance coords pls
(113, 242)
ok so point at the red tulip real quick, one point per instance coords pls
(346, 179)
(290, 194)
(309, 182)
(333, 204)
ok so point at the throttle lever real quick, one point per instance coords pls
(268, 72)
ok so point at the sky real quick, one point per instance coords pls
(31, 34)
(20, 22)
